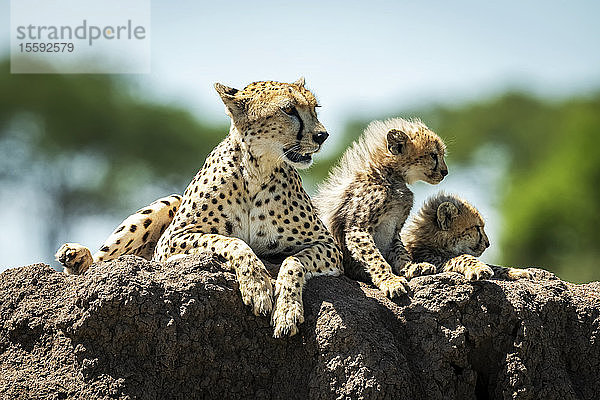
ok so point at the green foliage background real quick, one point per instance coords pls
(92, 143)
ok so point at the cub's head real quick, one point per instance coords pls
(411, 149)
(277, 120)
(451, 224)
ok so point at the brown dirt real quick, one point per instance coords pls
(134, 329)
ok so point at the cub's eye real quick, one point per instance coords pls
(289, 110)
(434, 157)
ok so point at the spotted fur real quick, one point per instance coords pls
(247, 201)
(448, 232)
(137, 235)
(365, 200)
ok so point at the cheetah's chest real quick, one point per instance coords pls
(254, 226)
(390, 222)
(261, 221)
(383, 234)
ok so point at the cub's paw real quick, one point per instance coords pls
(478, 272)
(75, 258)
(394, 286)
(288, 314)
(419, 269)
(256, 288)
(516, 273)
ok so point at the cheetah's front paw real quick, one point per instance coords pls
(257, 291)
(288, 314)
(479, 272)
(394, 286)
(419, 269)
(74, 257)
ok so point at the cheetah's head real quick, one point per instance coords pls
(278, 121)
(413, 149)
(460, 226)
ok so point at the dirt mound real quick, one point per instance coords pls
(138, 329)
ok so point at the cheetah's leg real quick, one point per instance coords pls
(318, 259)
(402, 264)
(137, 234)
(469, 266)
(363, 249)
(509, 273)
(252, 276)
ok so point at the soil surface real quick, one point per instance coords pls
(135, 329)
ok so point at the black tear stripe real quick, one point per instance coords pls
(295, 113)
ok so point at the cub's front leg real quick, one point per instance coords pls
(364, 251)
(402, 264)
(360, 243)
(509, 273)
(471, 267)
(318, 259)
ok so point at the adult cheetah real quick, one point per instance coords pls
(246, 201)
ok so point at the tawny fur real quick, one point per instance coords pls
(365, 200)
(246, 201)
(448, 232)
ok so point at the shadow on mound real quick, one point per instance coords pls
(138, 329)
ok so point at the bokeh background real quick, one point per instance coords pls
(513, 87)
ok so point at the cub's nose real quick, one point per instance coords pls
(444, 172)
(320, 137)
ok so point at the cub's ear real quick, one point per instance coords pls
(299, 82)
(396, 141)
(446, 212)
(234, 104)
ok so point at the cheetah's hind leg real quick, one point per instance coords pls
(137, 234)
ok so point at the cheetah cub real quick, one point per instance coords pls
(449, 233)
(365, 200)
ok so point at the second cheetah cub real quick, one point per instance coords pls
(365, 200)
(449, 233)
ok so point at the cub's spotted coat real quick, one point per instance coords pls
(248, 201)
(366, 200)
(448, 232)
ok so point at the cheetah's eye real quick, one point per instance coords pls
(289, 110)
(434, 156)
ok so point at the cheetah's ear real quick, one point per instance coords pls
(234, 104)
(299, 82)
(446, 212)
(396, 141)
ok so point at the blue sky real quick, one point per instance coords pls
(360, 58)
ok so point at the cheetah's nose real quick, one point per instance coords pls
(444, 172)
(320, 137)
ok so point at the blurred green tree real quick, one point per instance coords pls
(91, 144)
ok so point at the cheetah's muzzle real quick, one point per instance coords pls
(296, 157)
